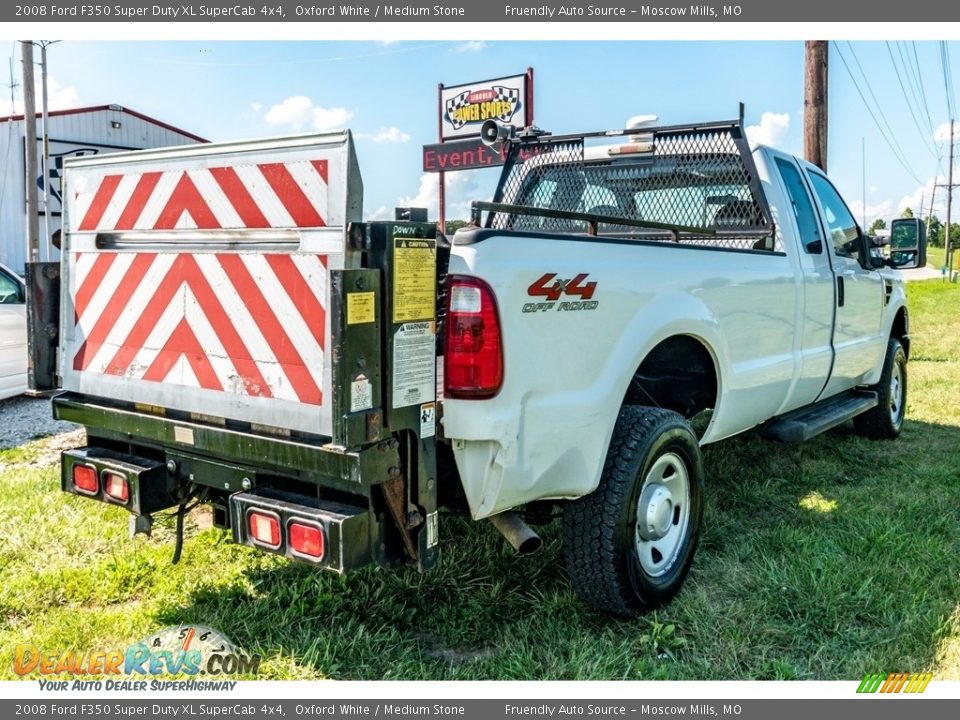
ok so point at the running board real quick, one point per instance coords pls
(805, 423)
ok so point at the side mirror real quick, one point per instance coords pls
(908, 243)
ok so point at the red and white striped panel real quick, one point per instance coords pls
(239, 323)
(265, 195)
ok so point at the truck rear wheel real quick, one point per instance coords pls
(885, 421)
(629, 544)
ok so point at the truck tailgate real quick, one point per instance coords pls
(196, 279)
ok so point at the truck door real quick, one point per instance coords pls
(814, 336)
(859, 292)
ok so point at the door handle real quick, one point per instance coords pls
(839, 291)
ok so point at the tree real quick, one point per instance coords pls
(907, 213)
(934, 231)
(454, 225)
(878, 224)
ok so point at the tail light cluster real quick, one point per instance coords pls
(140, 485)
(89, 480)
(300, 527)
(304, 538)
(473, 348)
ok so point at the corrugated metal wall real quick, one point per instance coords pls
(96, 131)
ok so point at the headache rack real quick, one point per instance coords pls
(686, 184)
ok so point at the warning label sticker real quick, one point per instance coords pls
(361, 308)
(414, 364)
(432, 535)
(414, 279)
(428, 420)
(361, 394)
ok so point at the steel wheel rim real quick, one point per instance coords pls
(896, 394)
(663, 515)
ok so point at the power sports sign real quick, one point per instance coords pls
(464, 108)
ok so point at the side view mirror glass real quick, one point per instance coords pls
(908, 243)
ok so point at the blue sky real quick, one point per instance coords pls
(387, 94)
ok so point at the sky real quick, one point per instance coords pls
(888, 100)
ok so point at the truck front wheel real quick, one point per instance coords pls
(885, 421)
(629, 544)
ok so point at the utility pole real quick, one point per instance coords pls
(30, 121)
(946, 232)
(45, 155)
(815, 103)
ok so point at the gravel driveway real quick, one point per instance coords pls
(24, 418)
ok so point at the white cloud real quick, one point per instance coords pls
(883, 209)
(942, 133)
(256, 107)
(461, 189)
(771, 130)
(470, 46)
(381, 213)
(299, 111)
(918, 200)
(388, 135)
(58, 98)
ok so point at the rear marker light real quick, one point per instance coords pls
(306, 540)
(264, 528)
(85, 479)
(115, 486)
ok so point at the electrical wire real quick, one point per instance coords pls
(947, 78)
(897, 154)
(927, 139)
(923, 90)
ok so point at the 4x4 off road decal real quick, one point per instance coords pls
(553, 288)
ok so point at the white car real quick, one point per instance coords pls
(13, 334)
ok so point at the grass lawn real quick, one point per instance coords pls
(819, 561)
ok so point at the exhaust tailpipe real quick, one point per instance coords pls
(523, 539)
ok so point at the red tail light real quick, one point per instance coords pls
(115, 485)
(264, 528)
(306, 540)
(85, 479)
(473, 351)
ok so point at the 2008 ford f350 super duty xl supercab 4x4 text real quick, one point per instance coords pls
(231, 332)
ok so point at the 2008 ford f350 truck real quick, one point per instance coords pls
(231, 332)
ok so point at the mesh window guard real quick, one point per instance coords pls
(697, 185)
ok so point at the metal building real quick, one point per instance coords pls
(79, 131)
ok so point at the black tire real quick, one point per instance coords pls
(885, 421)
(612, 561)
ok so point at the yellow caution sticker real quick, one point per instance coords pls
(361, 308)
(414, 279)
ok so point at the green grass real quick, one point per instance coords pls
(819, 561)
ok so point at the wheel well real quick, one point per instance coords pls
(678, 374)
(901, 330)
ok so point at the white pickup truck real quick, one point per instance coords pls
(232, 333)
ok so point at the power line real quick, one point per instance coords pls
(927, 139)
(876, 102)
(923, 90)
(947, 77)
(897, 154)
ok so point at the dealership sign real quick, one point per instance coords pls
(464, 108)
(468, 155)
